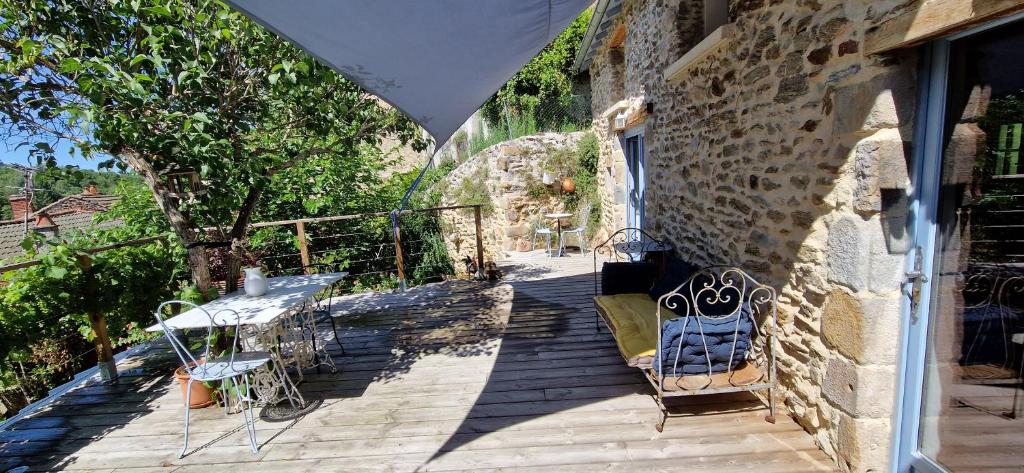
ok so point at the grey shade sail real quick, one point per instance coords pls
(436, 61)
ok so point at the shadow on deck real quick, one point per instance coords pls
(452, 376)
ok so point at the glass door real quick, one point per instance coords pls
(633, 149)
(962, 408)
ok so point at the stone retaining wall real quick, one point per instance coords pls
(507, 171)
(785, 153)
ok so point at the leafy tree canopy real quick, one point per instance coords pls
(169, 86)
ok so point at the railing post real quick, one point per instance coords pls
(399, 261)
(300, 229)
(479, 243)
(98, 323)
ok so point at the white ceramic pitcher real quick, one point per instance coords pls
(255, 282)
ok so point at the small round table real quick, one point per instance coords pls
(558, 222)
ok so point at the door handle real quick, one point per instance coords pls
(916, 278)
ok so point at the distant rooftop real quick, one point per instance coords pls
(73, 212)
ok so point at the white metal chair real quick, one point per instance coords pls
(580, 231)
(236, 367)
(539, 228)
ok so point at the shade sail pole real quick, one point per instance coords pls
(394, 218)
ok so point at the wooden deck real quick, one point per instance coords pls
(454, 376)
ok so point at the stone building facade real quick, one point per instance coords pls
(781, 149)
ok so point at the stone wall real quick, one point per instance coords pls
(785, 153)
(507, 171)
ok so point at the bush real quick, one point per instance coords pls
(473, 191)
(44, 314)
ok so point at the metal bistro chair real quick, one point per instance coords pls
(579, 231)
(539, 228)
(235, 367)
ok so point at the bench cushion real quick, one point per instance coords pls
(633, 321)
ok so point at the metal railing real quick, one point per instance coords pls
(375, 253)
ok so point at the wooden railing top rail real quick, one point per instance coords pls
(355, 216)
(143, 241)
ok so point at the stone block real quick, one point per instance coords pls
(879, 162)
(863, 445)
(886, 101)
(860, 391)
(858, 255)
(846, 253)
(977, 103)
(861, 329)
(513, 231)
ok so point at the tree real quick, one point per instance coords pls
(180, 86)
(547, 78)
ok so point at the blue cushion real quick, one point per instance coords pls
(720, 335)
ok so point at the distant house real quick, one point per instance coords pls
(70, 213)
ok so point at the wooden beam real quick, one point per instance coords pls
(399, 260)
(479, 242)
(932, 19)
(98, 323)
(300, 229)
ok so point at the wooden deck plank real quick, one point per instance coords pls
(514, 377)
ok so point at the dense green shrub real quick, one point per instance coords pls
(543, 88)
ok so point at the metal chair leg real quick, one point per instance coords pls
(247, 415)
(224, 396)
(188, 401)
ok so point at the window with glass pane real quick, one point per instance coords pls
(972, 415)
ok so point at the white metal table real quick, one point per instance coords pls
(558, 222)
(280, 321)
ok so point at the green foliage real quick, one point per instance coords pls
(55, 183)
(543, 85)
(136, 214)
(536, 189)
(580, 164)
(176, 85)
(472, 190)
(44, 309)
(510, 128)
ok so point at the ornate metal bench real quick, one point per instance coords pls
(712, 332)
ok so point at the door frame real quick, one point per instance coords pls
(632, 214)
(925, 182)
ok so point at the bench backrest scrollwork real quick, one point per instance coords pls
(712, 296)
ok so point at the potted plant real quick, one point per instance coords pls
(568, 186)
(202, 394)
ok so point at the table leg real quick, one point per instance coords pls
(272, 384)
(320, 355)
(561, 246)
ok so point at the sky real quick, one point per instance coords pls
(20, 156)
